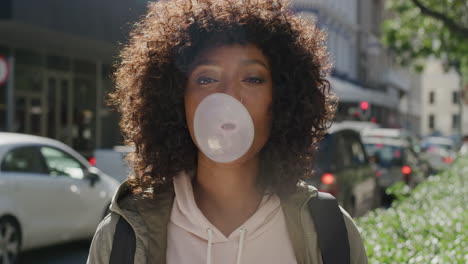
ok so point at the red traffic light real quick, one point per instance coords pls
(406, 170)
(328, 179)
(364, 105)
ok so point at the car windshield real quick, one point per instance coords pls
(434, 146)
(388, 155)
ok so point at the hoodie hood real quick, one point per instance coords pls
(152, 218)
(186, 214)
(189, 223)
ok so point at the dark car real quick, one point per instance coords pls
(342, 169)
(408, 139)
(395, 162)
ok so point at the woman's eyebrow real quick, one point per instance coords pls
(255, 61)
(203, 62)
(208, 62)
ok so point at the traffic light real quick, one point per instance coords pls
(364, 105)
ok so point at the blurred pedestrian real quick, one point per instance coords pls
(224, 101)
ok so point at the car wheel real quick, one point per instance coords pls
(10, 240)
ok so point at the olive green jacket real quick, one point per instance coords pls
(149, 219)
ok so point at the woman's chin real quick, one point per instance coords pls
(247, 157)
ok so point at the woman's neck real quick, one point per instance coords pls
(227, 194)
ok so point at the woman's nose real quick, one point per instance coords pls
(233, 89)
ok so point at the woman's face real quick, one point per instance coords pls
(241, 71)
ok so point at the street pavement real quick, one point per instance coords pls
(70, 253)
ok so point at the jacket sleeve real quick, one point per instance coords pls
(356, 246)
(101, 246)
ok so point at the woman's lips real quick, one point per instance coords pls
(228, 126)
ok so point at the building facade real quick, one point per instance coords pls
(440, 97)
(60, 55)
(363, 70)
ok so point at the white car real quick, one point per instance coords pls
(48, 194)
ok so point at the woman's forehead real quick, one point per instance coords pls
(245, 54)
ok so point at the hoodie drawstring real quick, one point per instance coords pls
(241, 245)
(210, 243)
(239, 250)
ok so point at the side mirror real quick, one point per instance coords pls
(92, 176)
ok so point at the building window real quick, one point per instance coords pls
(455, 120)
(431, 121)
(431, 98)
(455, 97)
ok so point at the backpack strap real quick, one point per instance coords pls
(331, 229)
(124, 243)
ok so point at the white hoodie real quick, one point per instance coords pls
(263, 238)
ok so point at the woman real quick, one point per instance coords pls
(224, 101)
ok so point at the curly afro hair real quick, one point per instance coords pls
(152, 73)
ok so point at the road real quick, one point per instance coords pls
(70, 253)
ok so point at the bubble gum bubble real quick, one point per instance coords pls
(223, 128)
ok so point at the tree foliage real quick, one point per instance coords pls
(417, 29)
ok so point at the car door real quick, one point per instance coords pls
(325, 162)
(80, 201)
(357, 177)
(344, 172)
(33, 194)
(365, 182)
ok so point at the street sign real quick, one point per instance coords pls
(4, 71)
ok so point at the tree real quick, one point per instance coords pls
(417, 29)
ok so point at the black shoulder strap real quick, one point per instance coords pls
(331, 229)
(124, 243)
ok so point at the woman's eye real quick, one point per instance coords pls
(254, 80)
(205, 80)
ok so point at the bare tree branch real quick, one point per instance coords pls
(448, 22)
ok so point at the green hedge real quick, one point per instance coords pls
(428, 225)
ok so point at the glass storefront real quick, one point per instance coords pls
(4, 51)
(27, 99)
(62, 98)
(110, 132)
(84, 114)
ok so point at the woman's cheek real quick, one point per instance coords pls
(263, 121)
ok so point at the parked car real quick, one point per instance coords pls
(355, 125)
(48, 194)
(439, 151)
(394, 133)
(439, 142)
(395, 162)
(343, 170)
(410, 140)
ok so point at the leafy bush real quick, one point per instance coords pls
(429, 225)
